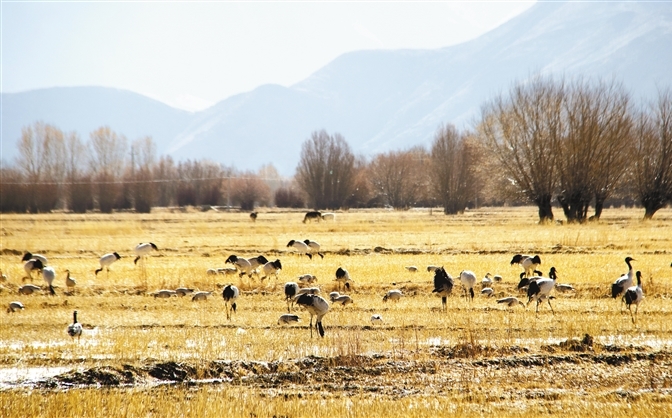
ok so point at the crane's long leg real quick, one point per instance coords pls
(549, 304)
(311, 326)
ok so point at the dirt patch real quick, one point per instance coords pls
(97, 376)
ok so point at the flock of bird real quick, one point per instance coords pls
(537, 287)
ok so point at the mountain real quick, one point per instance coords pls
(385, 100)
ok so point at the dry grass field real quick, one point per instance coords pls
(143, 356)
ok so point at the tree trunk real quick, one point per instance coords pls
(545, 208)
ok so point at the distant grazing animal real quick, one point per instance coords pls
(29, 256)
(28, 289)
(624, 282)
(75, 329)
(164, 294)
(634, 294)
(307, 278)
(528, 263)
(313, 247)
(183, 291)
(70, 282)
(253, 216)
(343, 300)
(143, 249)
(412, 269)
(106, 261)
(301, 247)
(230, 294)
(15, 306)
(30, 266)
(511, 302)
(316, 306)
(272, 267)
(291, 290)
(394, 295)
(443, 285)
(468, 280)
(287, 319)
(541, 288)
(200, 296)
(312, 216)
(328, 216)
(49, 274)
(376, 319)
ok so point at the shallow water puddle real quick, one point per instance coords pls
(16, 376)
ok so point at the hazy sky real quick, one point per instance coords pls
(192, 55)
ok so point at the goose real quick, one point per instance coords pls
(70, 282)
(164, 294)
(15, 306)
(411, 269)
(307, 278)
(287, 319)
(28, 289)
(183, 291)
(200, 296)
(75, 329)
(487, 291)
(343, 300)
(376, 319)
(394, 295)
(511, 301)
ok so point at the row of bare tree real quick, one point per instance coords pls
(577, 143)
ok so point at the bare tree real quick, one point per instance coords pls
(250, 190)
(521, 132)
(452, 171)
(165, 175)
(399, 176)
(200, 183)
(325, 171)
(42, 161)
(653, 155)
(592, 150)
(107, 159)
(78, 175)
(143, 157)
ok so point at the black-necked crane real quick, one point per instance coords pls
(106, 261)
(316, 306)
(313, 247)
(30, 256)
(271, 268)
(75, 329)
(257, 261)
(287, 319)
(301, 247)
(634, 295)
(291, 290)
(49, 274)
(468, 280)
(243, 265)
(15, 306)
(343, 277)
(443, 285)
(624, 282)
(143, 249)
(230, 294)
(541, 288)
(394, 295)
(528, 263)
(30, 266)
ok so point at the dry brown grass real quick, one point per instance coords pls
(476, 359)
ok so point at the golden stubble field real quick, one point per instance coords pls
(142, 356)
